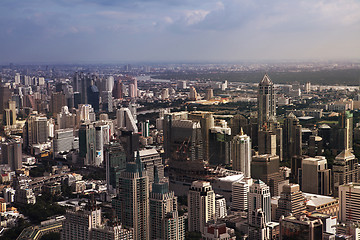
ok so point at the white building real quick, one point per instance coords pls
(220, 206)
(201, 205)
(241, 153)
(240, 191)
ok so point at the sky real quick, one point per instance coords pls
(111, 31)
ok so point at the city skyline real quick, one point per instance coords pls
(61, 31)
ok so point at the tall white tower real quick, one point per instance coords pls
(201, 205)
(241, 153)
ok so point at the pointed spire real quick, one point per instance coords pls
(139, 162)
(241, 131)
(266, 80)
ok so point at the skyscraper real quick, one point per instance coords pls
(133, 199)
(78, 223)
(201, 205)
(125, 120)
(345, 131)
(292, 137)
(346, 169)
(315, 175)
(87, 143)
(266, 168)
(259, 211)
(165, 222)
(193, 93)
(266, 101)
(241, 153)
(11, 153)
(35, 130)
(240, 191)
(115, 163)
(349, 197)
(291, 201)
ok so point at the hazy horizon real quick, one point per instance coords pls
(187, 31)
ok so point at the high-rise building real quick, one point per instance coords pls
(301, 227)
(349, 199)
(132, 91)
(93, 97)
(125, 120)
(57, 101)
(107, 103)
(345, 131)
(102, 135)
(345, 170)
(35, 130)
(315, 176)
(115, 163)
(259, 210)
(5, 95)
(118, 90)
(182, 137)
(65, 119)
(241, 153)
(291, 201)
(219, 145)
(113, 231)
(266, 101)
(151, 159)
(10, 114)
(79, 223)
(165, 222)
(292, 137)
(165, 93)
(240, 191)
(11, 152)
(63, 140)
(266, 167)
(220, 206)
(87, 143)
(193, 94)
(133, 199)
(145, 131)
(201, 205)
(209, 94)
(109, 85)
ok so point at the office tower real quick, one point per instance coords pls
(118, 90)
(151, 159)
(345, 169)
(291, 201)
(345, 131)
(241, 153)
(182, 137)
(134, 82)
(63, 140)
(240, 191)
(266, 101)
(87, 143)
(206, 120)
(315, 147)
(57, 102)
(307, 87)
(220, 206)
(266, 168)
(201, 205)
(165, 222)
(11, 152)
(315, 176)
(35, 130)
(17, 78)
(93, 97)
(85, 113)
(10, 114)
(165, 93)
(65, 119)
(296, 164)
(219, 145)
(209, 94)
(106, 98)
(132, 91)
(130, 142)
(109, 84)
(145, 128)
(292, 137)
(193, 94)
(125, 120)
(301, 227)
(5, 95)
(115, 163)
(259, 210)
(267, 142)
(102, 136)
(132, 204)
(349, 197)
(79, 223)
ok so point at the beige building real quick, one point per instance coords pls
(349, 201)
(201, 205)
(316, 177)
